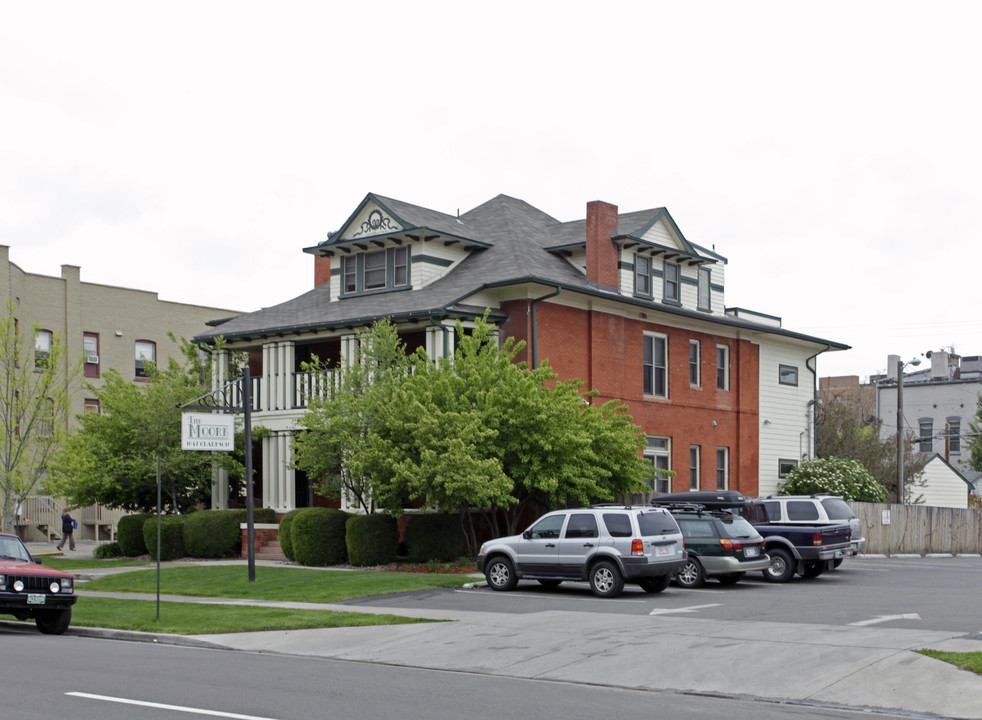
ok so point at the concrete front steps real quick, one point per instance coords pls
(269, 550)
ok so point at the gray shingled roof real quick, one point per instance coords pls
(517, 236)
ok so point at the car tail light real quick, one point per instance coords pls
(637, 547)
(817, 539)
(729, 544)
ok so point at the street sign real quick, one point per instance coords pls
(207, 431)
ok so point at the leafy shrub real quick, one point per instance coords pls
(286, 541)
(213, 533)
(434, 537)
(171, 537)
(834, 476)
(108, 550)
(317, 536)
(372, 539)
(129, 534)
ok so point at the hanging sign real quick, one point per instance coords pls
(207, 431)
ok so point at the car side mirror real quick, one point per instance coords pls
(527, 534)
(37, 561)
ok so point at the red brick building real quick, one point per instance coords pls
(622, 301)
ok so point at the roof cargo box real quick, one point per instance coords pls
(707, 498)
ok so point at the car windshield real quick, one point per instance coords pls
(737, 527)
(837, 509)
(657, 523)
(13, 549)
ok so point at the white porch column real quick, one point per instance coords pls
(288, 486)
(219, 476)
(349, 350)
(271, 462)
(435, 341)
(269, 376)
(286, 363)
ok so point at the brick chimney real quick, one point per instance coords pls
(322, 270)
(601, 253)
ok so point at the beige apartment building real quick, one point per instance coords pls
(107, 327)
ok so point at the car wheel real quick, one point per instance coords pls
(813, 569)
(53, 622)
(782, 566)
(655, 584)
(731, 578)
(606, 580)
(691, 575)
(500, 574)
(550, 583)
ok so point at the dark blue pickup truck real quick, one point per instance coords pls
(805, 550)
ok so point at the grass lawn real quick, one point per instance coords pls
(70, 564)
(965, 660)
(272, 583)
(198, 619)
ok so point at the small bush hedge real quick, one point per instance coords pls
(434, 537)
(171, 537)
(317, 536)
(372, 539)
(108, 550)
(129, 535)
(286, 541)
(213, 533)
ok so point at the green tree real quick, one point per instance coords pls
(847, 429)
(111, 457)
(477, 430)
(340, 424)
(834, 476)
(37, 379)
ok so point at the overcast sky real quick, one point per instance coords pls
(830, 151)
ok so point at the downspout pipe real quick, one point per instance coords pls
(446, 332)
(535, 343)
(813, 405)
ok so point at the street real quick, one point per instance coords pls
(99, 679)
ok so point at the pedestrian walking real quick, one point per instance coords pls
(67, 530)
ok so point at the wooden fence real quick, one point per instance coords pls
(919, 529)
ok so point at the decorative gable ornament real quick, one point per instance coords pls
(376, 223)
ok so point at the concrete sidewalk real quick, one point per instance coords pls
(782, 662)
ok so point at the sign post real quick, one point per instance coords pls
(213, 432)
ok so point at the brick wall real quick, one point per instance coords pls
(605, 351)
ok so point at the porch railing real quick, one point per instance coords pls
(310, 385)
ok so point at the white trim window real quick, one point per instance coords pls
(787, 375)
(672, 276)
(642, 276)
(695, 360)
(655, 364)
(722, 468)
(722, 367)
(42, 348)
(146, 353)
(694, 467)
(659, 454)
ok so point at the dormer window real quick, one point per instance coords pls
(375, 271)
(672, 282)
(642, 276)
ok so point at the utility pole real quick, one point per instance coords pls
(900, 432)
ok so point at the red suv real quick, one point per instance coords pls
(29, 590)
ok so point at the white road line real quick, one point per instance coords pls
(176, 708)
(886, 618)
(691, 608)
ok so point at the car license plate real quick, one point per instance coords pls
(664, 549)
(35, 599)
(838, 553)
(750, 552)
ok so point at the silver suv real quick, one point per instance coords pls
(606, 545)
(814, 510)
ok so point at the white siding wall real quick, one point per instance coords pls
(788, 435)
(423, 273)
(943, 487)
